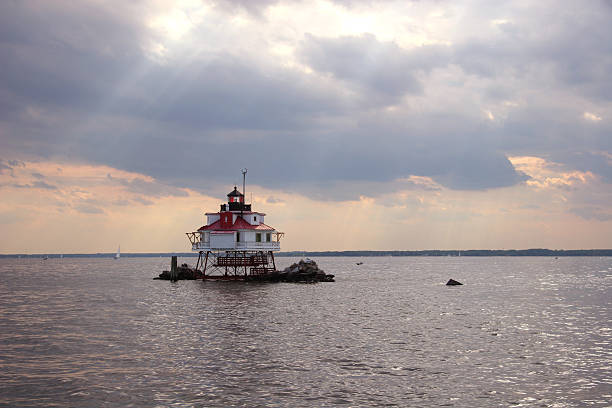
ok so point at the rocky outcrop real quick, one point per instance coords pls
(183, 272)
(305, 271)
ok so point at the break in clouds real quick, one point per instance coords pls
(217, 86)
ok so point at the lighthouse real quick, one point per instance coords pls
(235, 242)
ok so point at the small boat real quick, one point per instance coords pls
(45, 258)
(359, 263)
(118, 254)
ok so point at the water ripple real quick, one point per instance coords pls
(97, 332)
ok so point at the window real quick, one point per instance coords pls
(254, 218)
(237, 236)
(268, 237)
(258, 237)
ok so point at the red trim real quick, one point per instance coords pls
(240, 224)
(238, 212)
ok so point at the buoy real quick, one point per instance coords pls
(452, 282)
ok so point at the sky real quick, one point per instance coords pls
(364, 124)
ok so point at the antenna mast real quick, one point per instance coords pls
(244, 172)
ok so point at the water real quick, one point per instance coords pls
(100, 332)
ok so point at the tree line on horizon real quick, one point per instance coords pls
(433, 252)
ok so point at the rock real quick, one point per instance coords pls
(304, 271)
(452, 282)
(183, 272)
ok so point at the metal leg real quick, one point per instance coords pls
(199, 260)
(205, 264)
(273, 263)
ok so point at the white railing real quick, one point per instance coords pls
(270, 246)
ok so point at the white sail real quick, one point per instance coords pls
(118, 254)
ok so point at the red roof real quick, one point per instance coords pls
(241, 212)
(240, 224)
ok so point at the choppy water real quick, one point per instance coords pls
(100, 332)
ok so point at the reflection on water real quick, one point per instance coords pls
(99, 332)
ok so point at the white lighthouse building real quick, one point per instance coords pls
(236, 241)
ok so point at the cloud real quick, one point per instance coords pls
(591, 162)
(88, 209)
(42, 184)
(592, 213)
(420, 183)
(36, 185)
(545, 174)
(255, 7)
(481, 171)
(148, 188)
(142, 201)
(4, 167)
(16, 163)
(274, 200)
(121, 202)
(354, 108)
(383, 70)
(591, 116)
(8, 166)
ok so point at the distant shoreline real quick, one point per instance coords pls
(436, 252)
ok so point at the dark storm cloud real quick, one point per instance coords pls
(469, 172)
(100, 99)
(381, 68)
(566, 47)
(46, 65)
(64, 53)
(230, 93)
(562, 136)
(373, 152)
(596, 163)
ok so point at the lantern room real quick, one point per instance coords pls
(235, 202)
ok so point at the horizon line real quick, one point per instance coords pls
(392, 252)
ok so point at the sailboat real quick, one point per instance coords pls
(118, 254)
